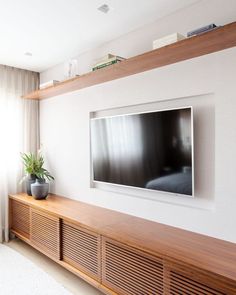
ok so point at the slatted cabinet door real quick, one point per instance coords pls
(45, 233)
(128, 271)
(20, 218)
(185, 280)
(81, 249)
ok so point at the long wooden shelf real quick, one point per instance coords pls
(221, 38)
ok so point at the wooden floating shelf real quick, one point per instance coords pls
(213, 41)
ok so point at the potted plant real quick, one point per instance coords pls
(36, 175)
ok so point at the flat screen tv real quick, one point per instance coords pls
(151, 150)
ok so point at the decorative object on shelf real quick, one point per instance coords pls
(202, 30)
(107, 60)
(33, 165)
(71, 68)
(48, 84)
(39, 189)
(175, 37)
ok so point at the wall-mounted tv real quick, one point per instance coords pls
(151, 150)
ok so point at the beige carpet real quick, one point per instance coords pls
(72, 284)
(18, 275)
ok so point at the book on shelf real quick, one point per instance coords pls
(107, 57)
(201, 30)
(169, 39)
(113, 59)
(103, 65)
(48, 84)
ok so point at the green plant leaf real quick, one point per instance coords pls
(33, 164)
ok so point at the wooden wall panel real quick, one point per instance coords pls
(81, 249)
(20, 218)
(45, 232)
(129, 271)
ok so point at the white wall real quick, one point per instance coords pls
(203, 12)
(207, 83)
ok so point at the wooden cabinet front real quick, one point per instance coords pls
(20, 218)
(123, 263)
(45, 232)
(81, 249)
(129, 271)
(184, 279)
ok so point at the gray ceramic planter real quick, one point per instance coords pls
(39, 189)
(30, 179)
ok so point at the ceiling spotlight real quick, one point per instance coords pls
(28, 53)
(104, 8)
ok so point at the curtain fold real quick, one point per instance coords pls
(19, 132)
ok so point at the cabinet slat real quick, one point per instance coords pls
(20, 218)
(81, 249)
(45, 232)
(129, 271)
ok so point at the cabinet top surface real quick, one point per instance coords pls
(207, 253)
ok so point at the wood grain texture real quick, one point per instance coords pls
(20, 218)
(81, 249)
(45, 232)
(180, 278)
(129, 271)
(69, 267)
(212, 256)
(213, 41)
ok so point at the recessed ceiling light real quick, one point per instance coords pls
(28, 53)
(104, 8)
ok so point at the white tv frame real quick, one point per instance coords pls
(140, 188)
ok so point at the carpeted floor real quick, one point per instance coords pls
(19, 276)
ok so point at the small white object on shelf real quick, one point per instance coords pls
(48, 84)
(104, 58)
(175, 37)
(107, 60)
(115, 58)
(70, 68)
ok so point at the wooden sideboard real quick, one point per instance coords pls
(122, 254)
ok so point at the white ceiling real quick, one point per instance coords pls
(56, 30)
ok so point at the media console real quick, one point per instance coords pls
(121, 254)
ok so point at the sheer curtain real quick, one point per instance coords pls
(19, 132)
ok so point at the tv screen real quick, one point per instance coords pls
(152, 150)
